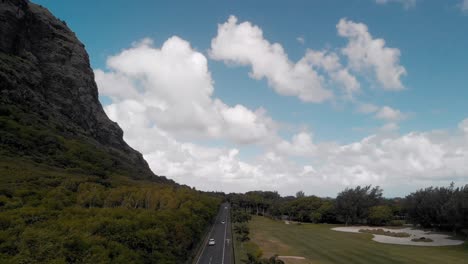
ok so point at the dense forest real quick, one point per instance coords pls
(441, 208)
(48, 215)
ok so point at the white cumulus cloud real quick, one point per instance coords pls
(385, 113)
(389, 114)
(367, 53)
(330, 63)
(312, 78)
(244, 44)
(171, 88)
(301, 144)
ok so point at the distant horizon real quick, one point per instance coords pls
(334, 196)
(315, 97)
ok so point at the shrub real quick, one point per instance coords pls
(422, 239)
(396, 223)
(382, 232)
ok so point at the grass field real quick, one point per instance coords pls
(318, 244)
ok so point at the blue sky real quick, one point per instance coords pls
(431, 38)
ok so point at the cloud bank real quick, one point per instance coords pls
(162, 97)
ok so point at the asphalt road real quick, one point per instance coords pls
(221, 252)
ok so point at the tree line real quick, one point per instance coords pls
(442, 208)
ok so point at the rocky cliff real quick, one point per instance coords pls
(49, 100)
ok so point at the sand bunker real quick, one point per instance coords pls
(290, 257)
(438, 239)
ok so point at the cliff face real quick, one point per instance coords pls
(46, 81)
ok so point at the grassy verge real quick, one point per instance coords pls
(317, 243)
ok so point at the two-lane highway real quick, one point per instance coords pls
(221, 252)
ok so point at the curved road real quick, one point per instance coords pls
(221, 252)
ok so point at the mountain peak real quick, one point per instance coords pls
(45, 75)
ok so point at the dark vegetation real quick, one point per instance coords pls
(64, 200)
(441, 208)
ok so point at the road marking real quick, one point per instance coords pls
(210, 260)
(209, 235)
(224, 240)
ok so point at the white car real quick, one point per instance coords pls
(211, 242)
(222, 222)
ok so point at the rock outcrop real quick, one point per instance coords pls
(45, 72)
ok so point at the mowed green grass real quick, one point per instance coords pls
(319, 244)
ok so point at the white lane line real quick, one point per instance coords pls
(224, 241)
(209, 235)
(210, 260)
